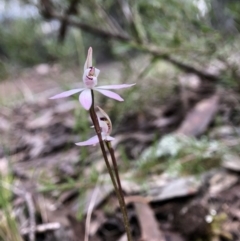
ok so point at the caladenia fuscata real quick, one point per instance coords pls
(102, 125)
(90, 80)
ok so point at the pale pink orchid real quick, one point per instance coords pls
(90, 76)
(106, 129)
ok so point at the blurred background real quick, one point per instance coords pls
(176, 133)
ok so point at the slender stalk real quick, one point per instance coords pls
(103, 148)
(111, 151)
(116, 188)
(98, 131)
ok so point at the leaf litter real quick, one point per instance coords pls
(37, 142)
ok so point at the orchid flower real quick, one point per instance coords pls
(106, 129)
(90, 76)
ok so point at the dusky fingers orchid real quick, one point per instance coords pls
(90, 81)
(106, 129)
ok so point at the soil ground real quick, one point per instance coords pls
(37, 144)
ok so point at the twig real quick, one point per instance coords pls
(89, 212)
(41, 228)
(147, 48)
(31, 213)
(30, 206)
(89, 28)
(72, 9)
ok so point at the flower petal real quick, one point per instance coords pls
(112, 87)
(97, 71)
(103, 117)
(66, 93)
(88, 62)
(92, 141)
(110, 138)
(85, 99)
(104, 127)
(109, 94)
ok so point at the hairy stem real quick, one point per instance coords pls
(116, 188)
(111, 151)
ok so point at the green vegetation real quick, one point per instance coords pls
(8, 226)
(182, 155)
(177, 31)
(25, 44)
(176, 28)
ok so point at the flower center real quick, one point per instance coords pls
(92, 71)
(89, 81)
(107, 122)
(89, 78)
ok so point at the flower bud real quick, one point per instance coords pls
(104, 121)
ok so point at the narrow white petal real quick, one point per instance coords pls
(66, 93)
(114, 87)
(92, 141)
(88, 62)
(97, 72)
(109, 94)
